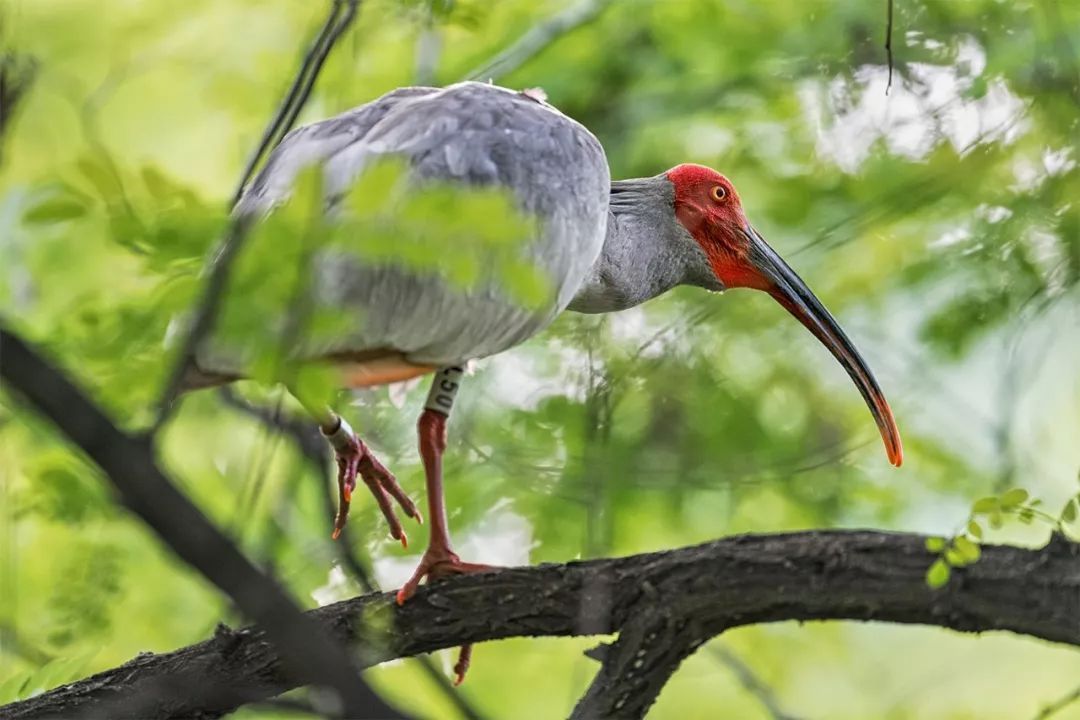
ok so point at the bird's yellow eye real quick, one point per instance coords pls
(718, 193)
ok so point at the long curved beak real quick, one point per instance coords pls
(790, 291)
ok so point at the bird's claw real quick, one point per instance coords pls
(435, 564)
(354, 458)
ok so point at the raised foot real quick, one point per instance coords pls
(354, 458)
(435, 564)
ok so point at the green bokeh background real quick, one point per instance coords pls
(940, 222)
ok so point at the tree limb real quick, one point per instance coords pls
(129, 464)
(699, 591)
(537, 38)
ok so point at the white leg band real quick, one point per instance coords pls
(342, 438)
(444, 389)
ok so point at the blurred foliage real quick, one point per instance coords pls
(940, 223)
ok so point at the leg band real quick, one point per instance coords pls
(444, 389)
(342, 438)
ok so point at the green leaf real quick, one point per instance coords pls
(1013, 498)
(985, 505)
(55, 210)
(1068, 513)
(935, 544)
(975, 530)
(955, 558)
(938, 574)
(969, 551)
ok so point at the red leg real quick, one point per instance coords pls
(439, 560)
(353, 458)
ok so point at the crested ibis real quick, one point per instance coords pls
(605, 246)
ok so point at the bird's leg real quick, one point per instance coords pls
(353, 458)
(439, 560)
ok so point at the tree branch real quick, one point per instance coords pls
(314, 658)
(537, 38)
(753, 684)
(693, 593)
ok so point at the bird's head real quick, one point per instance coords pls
(708, 207)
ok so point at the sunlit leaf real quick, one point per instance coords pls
(55, 210)
(938, 574)
(1012, 498)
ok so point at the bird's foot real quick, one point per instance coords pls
(439, 562)
(354, 458)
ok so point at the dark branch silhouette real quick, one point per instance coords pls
(683, 596)
(130, 465)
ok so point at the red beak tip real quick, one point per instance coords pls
(896, 454)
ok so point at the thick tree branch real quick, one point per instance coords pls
(129, 464)
(694, 593)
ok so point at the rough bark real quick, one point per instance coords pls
(665, 603)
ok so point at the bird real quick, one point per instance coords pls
(604, 245)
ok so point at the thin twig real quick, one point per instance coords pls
(342, 13)
(1059, 704)
(749, 680)
(888, 42)
(537, 38)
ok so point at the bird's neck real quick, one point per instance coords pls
(640, 258)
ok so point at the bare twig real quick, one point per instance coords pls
(888, 42)
(690, 595)
(129, 463)
(341, 16)
(750, 680)
(537, 38)
(1060, 704)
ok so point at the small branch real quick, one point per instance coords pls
(888, 42)
(314, 658)
(634, 669)
(738, 581)
(537, 38)
(753, 684)
(1058, 705)
(342, 14)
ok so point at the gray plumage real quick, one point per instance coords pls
(479, 135)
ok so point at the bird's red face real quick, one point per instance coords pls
(708, 206)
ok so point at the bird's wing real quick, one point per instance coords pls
(469, 134)
(482, 135)
(314, 144)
